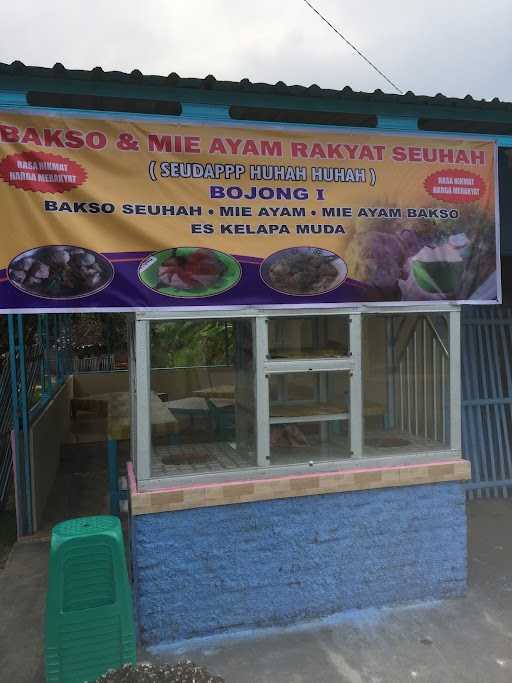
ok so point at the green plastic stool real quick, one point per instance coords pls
(89, 624)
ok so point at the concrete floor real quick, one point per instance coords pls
(81, 484)
(22, 599)
(456, 641)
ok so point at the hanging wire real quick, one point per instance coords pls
(376, 68)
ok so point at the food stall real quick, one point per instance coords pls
(339, 486)
(318, 467)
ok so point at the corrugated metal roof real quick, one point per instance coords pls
(59, 72)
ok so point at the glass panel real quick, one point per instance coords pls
(323, 336)
(202, 384)
(309, 417)
(406, 372)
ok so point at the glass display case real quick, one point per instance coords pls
(257, 391)
(309, 413)
(203, 373)
(320, 336)
(406, 383)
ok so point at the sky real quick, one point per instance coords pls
(447, 46)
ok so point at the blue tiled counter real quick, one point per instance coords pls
(214, 569)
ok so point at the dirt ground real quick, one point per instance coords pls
(183, 672)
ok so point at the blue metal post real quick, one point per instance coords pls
(45, 369)
(54, 338)
(109, 334)
(63, 345)
(113, 477)
(58, 350)
(25, 421)
(20, 507)
(42, 369)
(69, 319)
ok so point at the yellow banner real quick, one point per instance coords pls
(118, 214)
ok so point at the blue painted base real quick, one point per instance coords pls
(212, 570)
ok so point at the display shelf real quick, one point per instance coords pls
(309, 418)
(286, 413)
(306, 354)
(308, 365)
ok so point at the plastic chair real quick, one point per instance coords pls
(89, 625)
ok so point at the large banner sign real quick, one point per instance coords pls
(110, 214)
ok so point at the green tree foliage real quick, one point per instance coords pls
(187, 343)
(105, 331)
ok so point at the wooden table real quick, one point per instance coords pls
(116, 407)
(191, 406)
(220, 391)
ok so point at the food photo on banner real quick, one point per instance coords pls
(118, 215)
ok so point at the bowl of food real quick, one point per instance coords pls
(60, 271)
(189, 272)
(303, 271)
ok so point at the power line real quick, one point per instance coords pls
(376, 68)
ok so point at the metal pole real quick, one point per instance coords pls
(260, 335)
(71, 366)
(55, 351)
(143, 384)
(65, 353)
(46, 324)
(113, 476)
(25, 421)
(42, 324)
(132, 380)
(41, 368)
(70, 351)
(455, 382)
(109, 334)
(389, 418)
(226, 344)
(20, 508)
(356, 388)
(58, 357)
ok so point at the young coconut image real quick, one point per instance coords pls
(423, 259)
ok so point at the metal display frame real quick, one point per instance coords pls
(140, 366)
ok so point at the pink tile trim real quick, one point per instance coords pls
(132, 482)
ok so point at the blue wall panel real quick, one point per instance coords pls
(210, 570)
